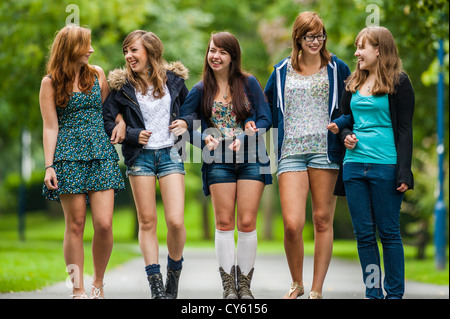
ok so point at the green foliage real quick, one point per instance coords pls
(27, 28)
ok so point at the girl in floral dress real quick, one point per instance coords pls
(80, 161)
(303, 92)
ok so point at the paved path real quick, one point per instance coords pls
(200, 279)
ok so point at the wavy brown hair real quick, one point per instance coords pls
(389, 64)
(70, 44)
(237, 78)
(307, 22)
(157, 64)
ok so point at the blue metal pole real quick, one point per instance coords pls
(439, 208)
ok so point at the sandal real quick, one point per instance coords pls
(314, 295)
(96, 292)
(296, 286)
(79, 296)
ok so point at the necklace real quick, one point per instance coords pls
(225, 95)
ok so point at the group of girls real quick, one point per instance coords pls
(338, 133)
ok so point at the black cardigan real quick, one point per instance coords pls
(401, 108)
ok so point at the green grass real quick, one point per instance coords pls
(38, 261)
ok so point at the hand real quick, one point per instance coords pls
(250, 128)
(211, 142)
(403, 187)
(178, 127)
(333, 128)
(118, 133)
(144, 136)
(235, 146)
(350, 141)
(50, 179)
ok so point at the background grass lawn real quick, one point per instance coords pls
(38, 261)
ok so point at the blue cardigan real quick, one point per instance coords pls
(338, 71)
(261, 115)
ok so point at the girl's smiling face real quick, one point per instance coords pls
(218, 59)
(83, 60)
(136, 57)
(367, 55)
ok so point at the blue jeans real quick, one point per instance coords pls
(159, 163)
(374, 204)
(231, 172)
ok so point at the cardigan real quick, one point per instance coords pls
(401, 109)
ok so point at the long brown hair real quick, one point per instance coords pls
(307, 22)
(70, 44)
(236, 77)
(157, 64)
(389, 64)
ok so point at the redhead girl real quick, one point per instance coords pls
(303, 92)
(80, 162)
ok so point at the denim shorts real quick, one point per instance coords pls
(157, 163)
(301, 162)
(232, 172)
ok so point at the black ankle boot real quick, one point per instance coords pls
(228, 283)
(243, 284)
(172, 283)
(157, 286)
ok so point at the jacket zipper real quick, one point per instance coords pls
(131, 99)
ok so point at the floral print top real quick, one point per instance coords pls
(224, 119)
(306, 112)
(82, 135)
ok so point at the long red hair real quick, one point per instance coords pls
(70, 44)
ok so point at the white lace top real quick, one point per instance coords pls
(156, 113)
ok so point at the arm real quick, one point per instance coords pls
(50, 130)
(405, 100)
(262, 115)
(190, 109)
(104, 88)
(180, 126)
(118, 132)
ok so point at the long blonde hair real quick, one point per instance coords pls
(157, 64)
(307, 22)
(70, 44)
(389, 64)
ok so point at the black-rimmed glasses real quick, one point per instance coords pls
(311, 38)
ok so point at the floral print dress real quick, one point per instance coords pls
(84, 160)
(306, 112)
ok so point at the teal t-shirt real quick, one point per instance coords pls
(373, 128)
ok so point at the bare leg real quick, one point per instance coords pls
(322, 183)
(172, 192)
(102, 206)
(294, 189)
(144, 196)
(74, 207)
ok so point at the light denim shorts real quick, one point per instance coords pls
(157, 163)
(301, 162)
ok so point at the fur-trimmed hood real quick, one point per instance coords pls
(118, 77)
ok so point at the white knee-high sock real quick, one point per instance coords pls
(225, 249)
(246, 250)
